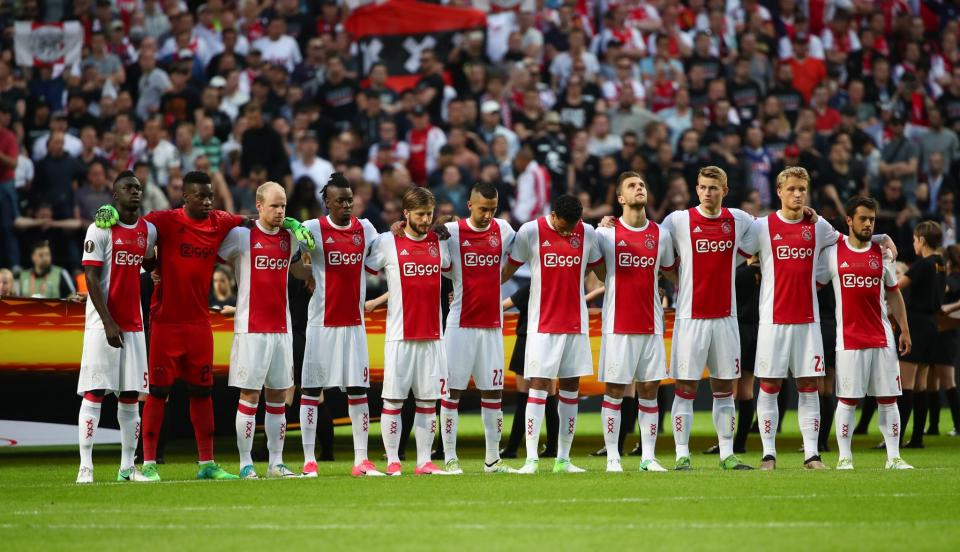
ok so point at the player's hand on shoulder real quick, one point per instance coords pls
(106, 216)
(440, 228)
(606, 222)
(397, 228)
(301, 232)
(810, 212)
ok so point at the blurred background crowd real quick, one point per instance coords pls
(864, 94)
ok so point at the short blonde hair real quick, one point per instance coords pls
(793, 172)
(267, 186)
(714, 173)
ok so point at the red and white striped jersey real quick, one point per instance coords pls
(337, 265)
(860, 278)
(707, 248)
(261, 261)
(413, 279)
(634, 257)
(476, 257)
(120, 252)
(557, 266)
(788, 255)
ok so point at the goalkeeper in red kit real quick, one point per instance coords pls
(181, 340)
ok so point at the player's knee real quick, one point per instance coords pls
(353, 391)
(886, 400)
(849, 402)
(614, 390)
(127, 395)
(94, 394)
(570, 384)
(311, 391)
(199, 391)
(159, 392)
(455, 394)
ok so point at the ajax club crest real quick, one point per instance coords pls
(434, 252)
(575, 241)
(649, 243)
(356, 239)
(874, 263)
(494, 241)
(807, 235)
(726, 228)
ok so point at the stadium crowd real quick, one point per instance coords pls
(865, 95)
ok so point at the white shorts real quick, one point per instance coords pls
(261, 360)
(784, 349)
(418, 365)
(557, 356)
(335, 357)
(111, 369)
(874, 372)
(476, 352)
(711, 342)
(635, 357)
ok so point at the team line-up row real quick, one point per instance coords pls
(696, 248)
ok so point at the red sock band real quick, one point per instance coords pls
(610, 405)
(850, 402)
(309, 402)
(566, 400)
(769, 388)
(685, 394)
(448, 405)
(886, 400)
(92, 398)
(490, 405)
(536, 400)
(723, 395)
(426, 410)
(247, 410)
(389, 412)
(150, 426)
(281, 410)
(201, 415)
(807, 390)
(355, 402)
(648, 409)
(127, 400)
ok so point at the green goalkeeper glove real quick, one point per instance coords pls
(106, 217)
(301, 232)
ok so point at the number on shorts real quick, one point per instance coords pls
(366, 374)
(146, 383)
(898, 384)
(817, 363)
(737, 361)
(443, 386)
(498, 377)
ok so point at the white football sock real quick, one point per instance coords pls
(390, 427)
(845, 420)
(246, 424)
(567, 407)
(128, 416)
(682, 413)
(425, 428)
(647, 418)
(808, 410)
(610, 418)
(358, 407)
(768, 417)
(449, 420)
(88, 421)
(724, 421)
(275, 426)
(308, 426)
(889, 421)
(491, 412)
(536, 401)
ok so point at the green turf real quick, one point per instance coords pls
(790, 509)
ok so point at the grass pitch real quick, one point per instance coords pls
(790, 509)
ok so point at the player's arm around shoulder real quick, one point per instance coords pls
(377, 258)
(520, 250)
(298, 268)
(825, 269)
(231, 246)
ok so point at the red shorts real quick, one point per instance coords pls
(181, 351)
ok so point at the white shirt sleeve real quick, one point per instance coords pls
(824, 270)
(520, 252)
(314, 227)
(444, 255)
(507, 236)
(889, 274)
(827, 234)
(750, 242)
(230, 246)
(369, 234)
(667, 257)
(590, 239)
(95, 246)
(377, 258)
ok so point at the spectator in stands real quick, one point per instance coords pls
(43, 278)
(307, 164)
(94, 192)
(9, 209)
(6, 283)
(262, 145)
(223, 292)
(900, 160)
